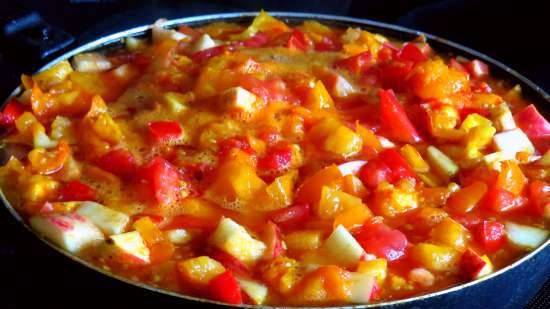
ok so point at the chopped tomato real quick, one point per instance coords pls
(395, 120)
(237, 142)
(355, 64)
(382, 241)
(11, 111)
(277, 159)
(162, 179)
(411, 52)
(225, 288)
(374, 173)
(297, 40)
(164, 131)
(326, 44)
(533, 123)
(392, 74)
(76, 191)
(453, 63)
(387, 52)
(539, 193)
(390, 166)
(207, 53)
(120, 162)
(501, 200)
(290, 215)
(490, 235)
(259, 39)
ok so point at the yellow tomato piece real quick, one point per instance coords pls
(432, 79)
(310, 190)
(443, 119)
(474, 120)
(343, 142)
(148, 230)
(263, 22)
(49, 161)
(354, 186)
(353, 216)
(370, 140)
(450, 233)
(282, 274)
(378, 268)
(333, 201)
(278, 194)
(477, 139)
(467, 198)
(200, 270)
(304, 240)
(319, 98)
(235, 186)
(40, 188)
(511, 177)
(54, 75)
(390, 200)
(434, 257)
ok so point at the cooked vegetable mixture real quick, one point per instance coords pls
(280, 165)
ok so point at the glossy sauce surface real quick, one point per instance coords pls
(280, 165)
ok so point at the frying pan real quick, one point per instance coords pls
(497, 289)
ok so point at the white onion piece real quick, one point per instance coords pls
(351, 167)
(160, 34)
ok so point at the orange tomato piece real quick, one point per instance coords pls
(511, 178)
(310, 190)
(49, 161)
(467, 198)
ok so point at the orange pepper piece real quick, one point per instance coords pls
(466, 199)
(511, 178)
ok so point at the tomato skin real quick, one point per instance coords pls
(224, 288)
(297, 40)
(326, 44)
(11, 111)
(395, 120)
(539, 194)
(490, 235)
(230, 262)
(374, 172)
(206, 54)
(162, 179)
(501, 200)
(238, 142)
(389, 166)
(259, 39)
(382, 241)
(290, 215)
(164, 131)
(76, 191)
(276, 159)
(356, 64)
(120, 162)
(411, 52)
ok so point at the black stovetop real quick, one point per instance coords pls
(33, 274)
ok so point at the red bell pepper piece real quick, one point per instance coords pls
(11, 112)
(393, 74)
(164, 131)
(399, 167)
(355, 64)
(257, 40)
(387, 53)
(238, 142)
(411, 52)
(297, 40)
(533, 123)
(454, 64)
(477, 69)
(76, 191)
(290, 215)
(276, 159)
(326, 44)
(120, 162)
(225, 288)
(539, 194)
(502, 200)
(207, 53)
(382, 241)
(490, 235)
(395, 120)
(162, 179)
(230, 262)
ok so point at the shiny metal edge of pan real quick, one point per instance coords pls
(533, 91)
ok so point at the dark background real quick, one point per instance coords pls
(515, 33)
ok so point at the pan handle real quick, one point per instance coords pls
(29, 40)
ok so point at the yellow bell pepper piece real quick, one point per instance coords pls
(477, 139)
(319, 98)
(377, 268)
(415, 160)
(434, 257)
